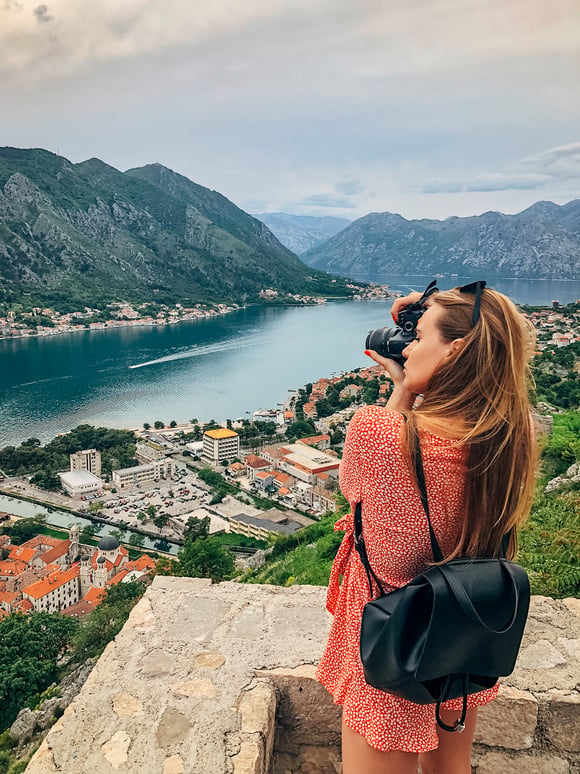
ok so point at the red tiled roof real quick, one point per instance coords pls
(263, 475)
(25, 605)
(56, 552)
(44, 540)
(9, 596)
(256, 462)
(12, 567)
(143, 563)
(56, 579)
(118, 577)
(94, 595)
(22, 553)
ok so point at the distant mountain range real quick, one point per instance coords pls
(540, 242)
(302, 232)
(75, 234)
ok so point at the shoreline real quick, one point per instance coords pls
(150, 323)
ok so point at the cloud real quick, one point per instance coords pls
(538, 171)
(493, 182)
(327, 200)
(562, 162)
(42, 15)
(349, 187)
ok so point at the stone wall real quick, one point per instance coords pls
(220, 679)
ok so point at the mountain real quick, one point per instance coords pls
(74, 234)
(302, 232)
(542, 242)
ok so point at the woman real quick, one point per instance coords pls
(469, 363)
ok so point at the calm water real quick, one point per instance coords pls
(218, 368)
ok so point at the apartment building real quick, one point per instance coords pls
(155, 471)
(88, 459)
(146, 454)
(220, 444)
(57, 591)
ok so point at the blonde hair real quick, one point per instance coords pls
(485, 388)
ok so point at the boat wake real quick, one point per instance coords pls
(201, 351)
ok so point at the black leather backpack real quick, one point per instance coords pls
(450, 632)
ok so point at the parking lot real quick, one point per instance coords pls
(182, 494)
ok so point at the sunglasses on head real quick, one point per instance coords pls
(474, 287)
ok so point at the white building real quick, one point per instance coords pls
(55, 592)
(220, 444)
(155, 471)
(80, 482)
(88, 459)
(146, 454)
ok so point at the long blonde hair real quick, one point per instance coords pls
(484, 388)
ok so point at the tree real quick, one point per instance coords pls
(173, 423)
(46, 479)
(206, 558)
(105, 621)
(158, 424)
(87, 532)
(25, 529)
(161, 520)
(151, 510)
(146, 426)
(136, 539)
(96, 506)
(30, 649)
(196, 528)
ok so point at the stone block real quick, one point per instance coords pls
(573, 605)
(563, 722)
(116, 749)
(306, 713)
(250, 759)
(173, 728)
(509, 721)
(498, 763)
(257, 708)
(196, 619)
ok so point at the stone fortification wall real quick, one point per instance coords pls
(219, 679)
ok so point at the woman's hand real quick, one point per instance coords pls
(400, 399)
(394, 370)
(401, 303)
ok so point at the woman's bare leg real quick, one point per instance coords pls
(358, 757)
(453, 756)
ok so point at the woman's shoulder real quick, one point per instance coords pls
(377, 418)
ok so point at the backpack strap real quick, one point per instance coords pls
(359, 544)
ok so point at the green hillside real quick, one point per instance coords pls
(85, 234)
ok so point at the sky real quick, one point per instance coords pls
(428, 108)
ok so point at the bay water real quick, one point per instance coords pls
(218, 368)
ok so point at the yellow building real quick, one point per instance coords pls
(220, 444)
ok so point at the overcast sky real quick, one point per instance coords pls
(428, 108)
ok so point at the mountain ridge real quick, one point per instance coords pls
(70, 233)
(541, 242)
(302, 232)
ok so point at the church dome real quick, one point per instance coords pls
(101, 560)
(108, 543)
(85, 558)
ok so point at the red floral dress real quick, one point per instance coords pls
(373, 470)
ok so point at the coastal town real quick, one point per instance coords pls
(167, 491)
(19, 322)
(258, 479)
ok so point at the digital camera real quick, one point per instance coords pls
(390, 342)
